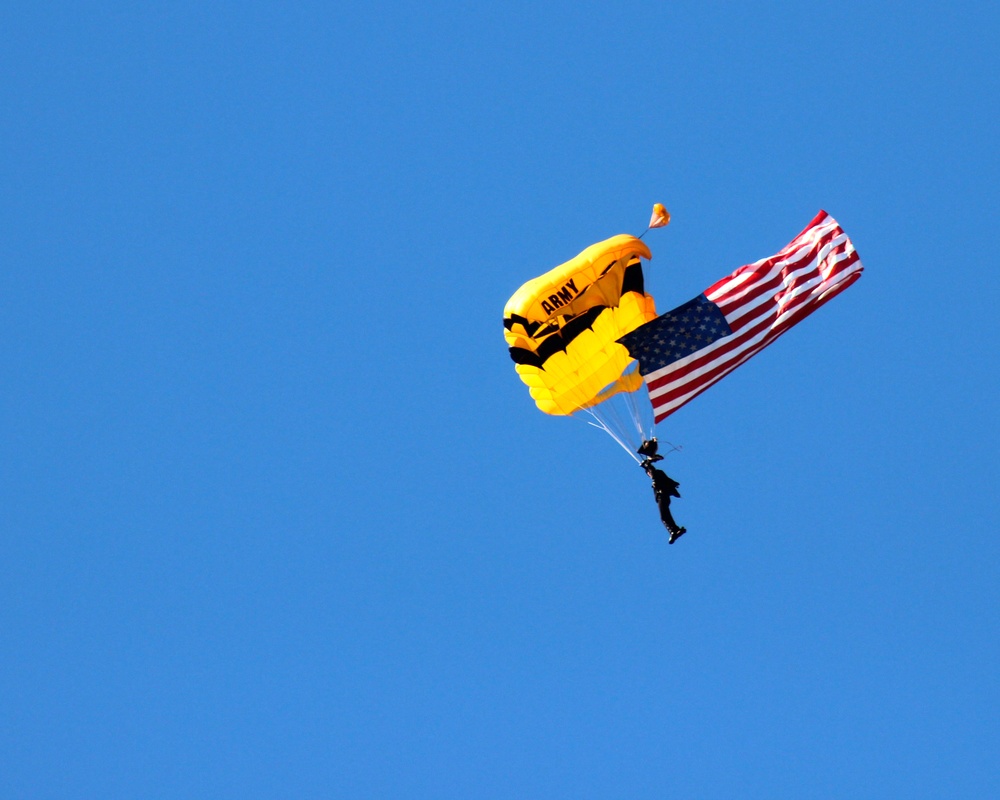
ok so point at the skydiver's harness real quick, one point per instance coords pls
(648, 449)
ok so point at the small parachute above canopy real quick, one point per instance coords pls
(660, 216)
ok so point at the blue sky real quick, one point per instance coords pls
(277, 519)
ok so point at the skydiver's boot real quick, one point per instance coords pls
(676, 531)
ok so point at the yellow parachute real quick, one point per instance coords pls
(562, 328)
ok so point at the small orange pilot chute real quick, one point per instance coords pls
(660, 216)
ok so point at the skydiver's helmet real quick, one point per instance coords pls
(648, 449)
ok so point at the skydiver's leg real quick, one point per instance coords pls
(668, 521)
(666, 517)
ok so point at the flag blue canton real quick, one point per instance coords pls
(676, 334)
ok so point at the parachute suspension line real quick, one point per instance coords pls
(621, 417)
(616, 409)
(610, 421)
(632, 402)
(604, 427)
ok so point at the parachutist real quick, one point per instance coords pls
(664, 487)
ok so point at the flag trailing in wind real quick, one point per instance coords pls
(683, 352)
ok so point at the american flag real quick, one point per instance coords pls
(683, 352)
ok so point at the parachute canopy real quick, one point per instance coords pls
(562, 327)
